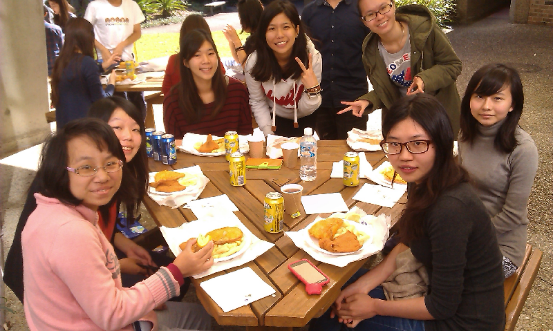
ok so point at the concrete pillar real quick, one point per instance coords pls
(518, 13)
(23, 75)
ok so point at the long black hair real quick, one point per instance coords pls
(190, 103)
(52, 178)
(138, 166)
(249, 13)
(266, 67)
(429, 113)
(487, 81)
(79, 42)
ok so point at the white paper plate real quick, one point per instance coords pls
(314, 242)
(246, 241)
(188, 189)
(359, 146)
(190, 140)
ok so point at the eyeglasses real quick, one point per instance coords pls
(88, 171)
(383, 10)
(413, 146)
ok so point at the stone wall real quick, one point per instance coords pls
(472, 10)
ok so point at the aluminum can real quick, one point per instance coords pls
(237, 169)
(274, 212)
(351, 169)
(129, 69)
(168, 149)
(156, 142)
(231, 143)
(149, 142)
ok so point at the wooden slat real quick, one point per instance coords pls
(521, 291)
(510, 283)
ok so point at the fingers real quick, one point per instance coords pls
(205, 252)
(301, 64)
(345, 110)
(310, 60)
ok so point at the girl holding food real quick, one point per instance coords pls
(76, 75)
(283, 73)
(71, 275)
(499, 155)
(445, 225)
(205, 101)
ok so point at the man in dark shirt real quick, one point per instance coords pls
(54, 41)
(338, 33)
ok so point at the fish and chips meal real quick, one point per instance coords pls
(371, 141)
(210, 145)
(168, 181)
(338, 236)
(388, 173)
(227, 241)
(277, 143)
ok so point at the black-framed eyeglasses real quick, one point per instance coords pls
(383, 10)
(88, 171)
(413, 146)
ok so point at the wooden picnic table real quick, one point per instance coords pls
(291, 306)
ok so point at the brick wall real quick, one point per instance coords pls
(541, 12)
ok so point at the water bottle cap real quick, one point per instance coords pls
(308, 131)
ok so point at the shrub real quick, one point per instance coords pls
(444, 10)
(168, 6)
(147, 6)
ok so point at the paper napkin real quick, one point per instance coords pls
(237, 289)
(380, 195)
(323, 203)
(364, 167)
(218, 206)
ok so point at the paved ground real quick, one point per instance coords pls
(493, 39)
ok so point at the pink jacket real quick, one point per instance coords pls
(72, 276)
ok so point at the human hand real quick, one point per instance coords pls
(112, 78)
(106, 55)
(190, 263)
(355, 288)
(308, 77)
(357, 307)
(112, 59)
(118, 50)
(140, 253)
(357, 107)
(232, 36)
(132, 266)
(416, 87)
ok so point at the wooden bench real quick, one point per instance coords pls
(215, 4)
(517, 287)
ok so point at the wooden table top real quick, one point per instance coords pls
(150, 84)
(291, 306)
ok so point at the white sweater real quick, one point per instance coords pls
(287, 94)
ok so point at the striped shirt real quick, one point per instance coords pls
(235, 115)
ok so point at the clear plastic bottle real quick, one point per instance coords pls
(308, 156)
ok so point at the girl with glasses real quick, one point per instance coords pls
(500, 156)
(71, 275)
(406, 53)
(283, 73)
(445, 226)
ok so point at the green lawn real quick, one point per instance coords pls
(152, 45)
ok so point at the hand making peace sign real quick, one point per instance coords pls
(308, 77)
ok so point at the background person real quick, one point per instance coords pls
(499, 155)
(117, 27)
(283, 73)
(205, 101)
(338, 34)
(62, 14)
(447, 229)
(406, 53)
(76, 75)
(54, 42)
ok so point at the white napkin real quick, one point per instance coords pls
(379, 234)
(323, 203)
(217, 206)
(177, 199)
(190, 139)
(176, 236)
(157, 64)
(276, 153)
(237, 289)
(364, 167)
(355, 135)
(380, 195)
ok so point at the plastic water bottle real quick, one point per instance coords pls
(308, 156)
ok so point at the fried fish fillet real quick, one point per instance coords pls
(344, 243)
(169, 186)
(389, 174)
(225, 235)
(209, 145)
(167, 175)
(326, 228)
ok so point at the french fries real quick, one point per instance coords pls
(362, 237)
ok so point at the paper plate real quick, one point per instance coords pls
(188, 188)
(314, 242)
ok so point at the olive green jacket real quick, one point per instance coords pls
(432, 59)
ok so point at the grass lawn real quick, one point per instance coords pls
(152, 45)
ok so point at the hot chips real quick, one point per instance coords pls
(361, 236)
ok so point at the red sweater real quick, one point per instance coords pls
(235, 115)
(172, 74)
